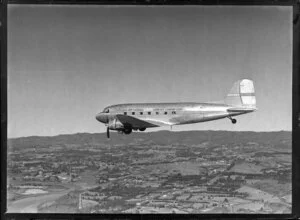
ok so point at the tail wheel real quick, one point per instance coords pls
(233, 121)
(127, 130)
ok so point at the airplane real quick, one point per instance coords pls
(125, 118)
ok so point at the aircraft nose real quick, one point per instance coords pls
(102, 117)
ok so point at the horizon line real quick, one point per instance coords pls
(147, 132)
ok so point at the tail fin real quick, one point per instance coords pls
(242, 94)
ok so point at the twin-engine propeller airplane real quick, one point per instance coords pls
(138, 116)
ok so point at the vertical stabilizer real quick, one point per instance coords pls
(242, 94)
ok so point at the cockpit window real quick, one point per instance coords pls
(106, 110)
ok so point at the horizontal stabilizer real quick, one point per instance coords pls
(241, 109)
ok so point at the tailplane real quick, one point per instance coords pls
(242, 94)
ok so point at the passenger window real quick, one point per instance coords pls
(166, 113)
(141, 113)
(157, 113)
(149, 113)
(174, 113)
(133, 113)
(125, 113)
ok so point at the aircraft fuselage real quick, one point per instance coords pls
(139, 116)
(168, 113)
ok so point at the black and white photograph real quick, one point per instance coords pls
(149, 109)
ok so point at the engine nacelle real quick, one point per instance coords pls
(115, 124)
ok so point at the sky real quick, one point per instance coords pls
(67, 63)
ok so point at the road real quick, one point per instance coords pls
(30, 204)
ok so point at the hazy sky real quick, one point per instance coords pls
(66, 63)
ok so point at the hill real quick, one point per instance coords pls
(277, 139)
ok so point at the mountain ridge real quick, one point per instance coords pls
(164, 137)
(147, 132)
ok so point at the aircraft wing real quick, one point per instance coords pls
(138, 123)
(159, 122)
(134, 122)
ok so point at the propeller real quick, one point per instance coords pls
(107, 132)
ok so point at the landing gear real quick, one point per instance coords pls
(127, 130)
(142, 129)
(107, 133)
(233, 121)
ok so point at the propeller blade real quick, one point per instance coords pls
(107, 132)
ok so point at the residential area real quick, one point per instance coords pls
(158, 172)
